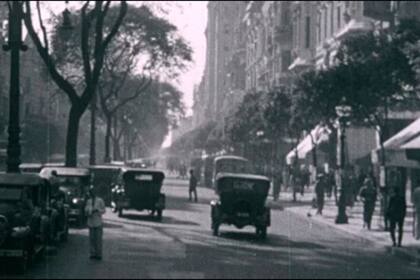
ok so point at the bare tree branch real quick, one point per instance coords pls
(85, 26)
(41, 23)
(62, 83)
(144, 84)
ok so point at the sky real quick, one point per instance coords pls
(191, 19)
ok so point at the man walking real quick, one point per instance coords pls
(416, 201)
(396, 212)
(95, 208)
(368, 195)
(320, 193)
(193, 186)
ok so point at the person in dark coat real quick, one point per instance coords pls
(368, 196)
(396, 212)
(320, 193)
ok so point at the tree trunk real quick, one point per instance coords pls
(108, 139)
(92, 156)
(116, 150)
(72, 135)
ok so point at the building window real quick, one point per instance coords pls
(325, 23)
(307, 32)
(332, 19)
(286, 60)
(338, 17)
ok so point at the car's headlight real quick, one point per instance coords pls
(20, 231)
(75, 200)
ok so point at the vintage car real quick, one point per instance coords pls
(242, 202)
(139, 189)
(31, 167)
(104, 178)
(26, 220)
(74, 183)
(226, 164)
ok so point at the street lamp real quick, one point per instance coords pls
(14, 45)
(343, 112)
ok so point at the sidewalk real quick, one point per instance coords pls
(411, 247)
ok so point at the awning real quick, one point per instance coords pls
(319, 134)
(354, 26)
(299, 63)
(404, 136)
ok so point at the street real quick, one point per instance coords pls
(182, 246)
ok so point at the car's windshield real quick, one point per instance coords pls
(233, 166)
(71, 185)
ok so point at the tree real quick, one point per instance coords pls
(93, 52)
(376, 74)
(151, 117)
(155, 41)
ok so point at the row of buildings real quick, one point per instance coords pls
(256, 46)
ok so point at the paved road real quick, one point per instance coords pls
(181, 246)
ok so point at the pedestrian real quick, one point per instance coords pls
(320, 193)
(193, 186)
(368, 195)
(397, 209)
(277, 182)
(416, 202)
(95, 208)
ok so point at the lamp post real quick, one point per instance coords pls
(343, 112)
(14, 45)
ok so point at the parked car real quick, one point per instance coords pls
(242, 202)
(26, 220)
(74, 183)
(139, 189)
(104, 178)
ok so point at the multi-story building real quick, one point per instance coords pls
(269, 44)
(225, 61)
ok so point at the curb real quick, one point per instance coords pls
(402, 253)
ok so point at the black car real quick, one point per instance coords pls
(242, 202)
(74, 184)
(139, 189)
(104, 178)
(25, 217)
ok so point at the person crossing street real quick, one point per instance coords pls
(193, 186)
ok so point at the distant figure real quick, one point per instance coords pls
(277, 182)
(193, 186)
(397, 209)
(368, 195)
(95, 208)
(320, 193)
(416, 201)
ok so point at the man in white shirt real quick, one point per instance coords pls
(95, 208)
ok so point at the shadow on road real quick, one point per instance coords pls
(272, 240)
(165, 220)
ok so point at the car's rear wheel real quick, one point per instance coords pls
(215, 228)
(261, 233)
(159, 214)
